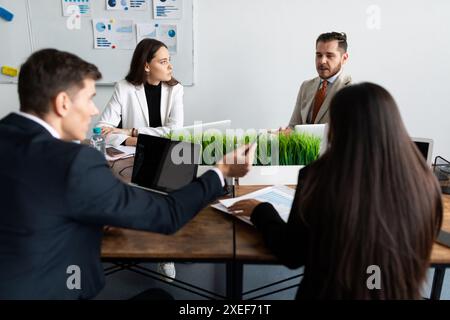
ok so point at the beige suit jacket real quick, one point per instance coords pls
(305, 100)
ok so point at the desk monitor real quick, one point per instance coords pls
(319, 130)
(163, 165)
(425, 147)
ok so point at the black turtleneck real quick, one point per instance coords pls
(153, 95)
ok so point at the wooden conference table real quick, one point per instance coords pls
(215, 237)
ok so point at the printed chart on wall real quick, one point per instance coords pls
(167, 9)
(77, 7)
(113, 34)
(126, 5)
(103, 32)
(166, 33)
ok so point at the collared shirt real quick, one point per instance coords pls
(48, 127)
(330, 80)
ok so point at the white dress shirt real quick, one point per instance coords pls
(49, 128)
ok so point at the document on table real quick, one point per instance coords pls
(281, 197)
(119, 152)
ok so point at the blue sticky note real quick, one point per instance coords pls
(5, 14)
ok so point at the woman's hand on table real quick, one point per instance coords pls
(244, 207)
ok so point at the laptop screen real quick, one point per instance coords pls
(164, 165)
(425, 147)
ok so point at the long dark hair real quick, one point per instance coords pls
(370, 200)
(144, 52)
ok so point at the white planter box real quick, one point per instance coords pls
(265, 175)
(268, 175)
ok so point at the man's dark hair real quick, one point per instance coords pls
(341, 38)
(145, 51)
(48, 72)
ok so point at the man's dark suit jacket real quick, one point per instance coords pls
(56, 196)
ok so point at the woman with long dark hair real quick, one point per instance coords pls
(370, 203)
(149, 100)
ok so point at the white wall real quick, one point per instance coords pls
(251, 57)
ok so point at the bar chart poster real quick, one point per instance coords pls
(167, 33)
(113, 34)
(126, 5)
(84, 7)
(167, 9)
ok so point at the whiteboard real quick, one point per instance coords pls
(47, 29)
(15, 45)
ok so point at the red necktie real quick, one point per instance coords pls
(318, 100)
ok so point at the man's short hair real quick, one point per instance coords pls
(48, 72)
(341, 38)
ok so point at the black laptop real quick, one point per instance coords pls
(162, 165)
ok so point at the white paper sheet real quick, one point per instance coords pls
(128, 151)
(167, 33)
(163, 9)
(127, 5)
(79, 7)
(281, 197)
(113, 34)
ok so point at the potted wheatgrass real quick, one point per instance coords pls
(278, 158)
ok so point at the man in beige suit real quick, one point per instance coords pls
(315, 95)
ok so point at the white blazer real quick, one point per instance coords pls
(129, 104)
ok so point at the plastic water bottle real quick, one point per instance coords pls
(97, 140)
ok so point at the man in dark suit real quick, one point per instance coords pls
(57, 195)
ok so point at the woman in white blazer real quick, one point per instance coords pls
(149, 100)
